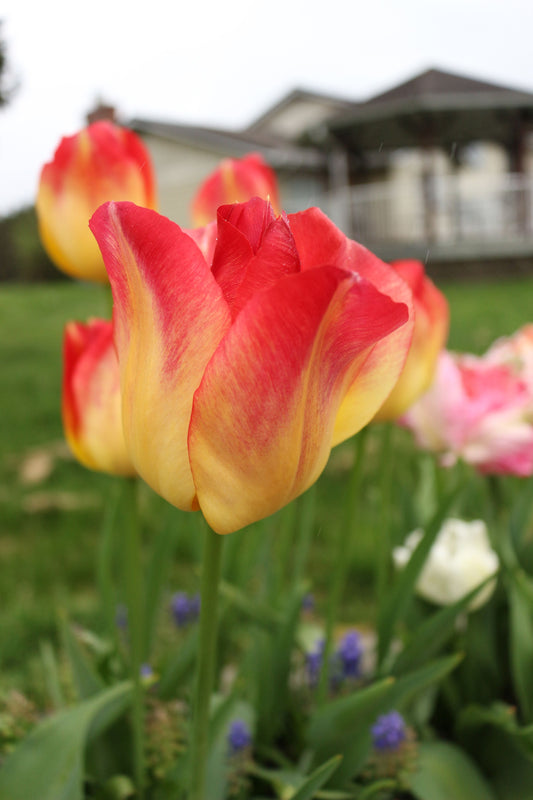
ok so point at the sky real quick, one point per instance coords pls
(223, 64)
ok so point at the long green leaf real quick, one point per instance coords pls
(445, 772)
(273, 685)
(317, 779)
(521, 635)
(105, 565)
(179, 667)
(86, 680)
(219, 763)
(157, 574)
(51, 675)
(433, 634)
(343, 726)
(401, 595)
(408, 686)
(260, 613)
(48, 764)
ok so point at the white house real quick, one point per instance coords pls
(440, 166)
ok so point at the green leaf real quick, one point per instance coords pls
(86, 681)
(433, 633)
(317, 779)
(157, 574)
(48, 764)
(445, 772)
(343, 726)
(499, 715)
(521, 633)
(51, 675)
(259, 613)
(395, 605)
(179, 667)
(504, 750)
(410, 685)
(218, 764)
(105, 558)
(332, 723)
(272, 670)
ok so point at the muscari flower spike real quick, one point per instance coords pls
(181, 609)
(239, 736)
(389, 731)
(349, 654)
(313, 662)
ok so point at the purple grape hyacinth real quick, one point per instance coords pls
(239, 736)
(389, 731)
(349, 654)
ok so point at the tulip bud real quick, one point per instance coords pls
(235, 181)
(102, 162)
(92, 415)
(429, 337)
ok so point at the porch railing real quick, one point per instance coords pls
(450, 209)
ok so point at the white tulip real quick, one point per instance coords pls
(460, 559)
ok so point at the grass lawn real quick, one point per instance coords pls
(51, 509)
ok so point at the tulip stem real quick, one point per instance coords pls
(205, 668)
(345, 536)
(383, 527)
(135, 603)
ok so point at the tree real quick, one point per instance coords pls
(7, 86)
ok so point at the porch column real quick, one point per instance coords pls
(339, 181)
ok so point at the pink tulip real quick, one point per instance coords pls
(477, 411)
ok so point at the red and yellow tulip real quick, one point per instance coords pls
(430, 333)
(240, 372)
(235, 180)
(91, 406)
(101, 162)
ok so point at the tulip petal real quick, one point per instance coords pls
(264, 414)
(319, 241)
(254, 250)
(169, 316)
(429, 338)
(91, 407)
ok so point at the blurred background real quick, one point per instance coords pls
(410, 124)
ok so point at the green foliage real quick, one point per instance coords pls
(49, 763)
(22, 257)
(444, 771)
(462, 680)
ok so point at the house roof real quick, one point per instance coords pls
(435, 107)
(437, 82)
(279, 153)
(297, 112)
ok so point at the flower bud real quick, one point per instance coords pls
(92, 415)
(102, 162)
(429, 337)
(235, 181)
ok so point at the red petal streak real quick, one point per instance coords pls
(319, 241)
(264, 414)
